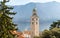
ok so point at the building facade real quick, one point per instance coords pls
(34, 24)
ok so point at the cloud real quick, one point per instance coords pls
(22, 2)
(57, 0)
(42, 1)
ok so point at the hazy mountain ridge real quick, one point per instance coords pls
(47, 12)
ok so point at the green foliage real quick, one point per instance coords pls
(53, 37)
(46, 34)
(53, 33)
(55, 24)
(36, 37)
(6, 24)
(56, 32)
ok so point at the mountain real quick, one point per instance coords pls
(47, 12)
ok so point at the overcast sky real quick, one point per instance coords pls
(22, 2)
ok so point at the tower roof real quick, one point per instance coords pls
(34, 12)
(34, 9)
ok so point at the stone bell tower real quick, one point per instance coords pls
(34, 24)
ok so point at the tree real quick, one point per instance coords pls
(53, 33)
(55, 24)
(37, 37)
(6, 24)
(46, 34)
(53, 37)
(56, 32)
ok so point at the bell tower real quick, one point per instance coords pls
(34, 24)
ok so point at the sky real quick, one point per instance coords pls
(22, 2)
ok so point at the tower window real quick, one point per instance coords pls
(36, 19)
(32, 22)
(32, 18)
(36, 23)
